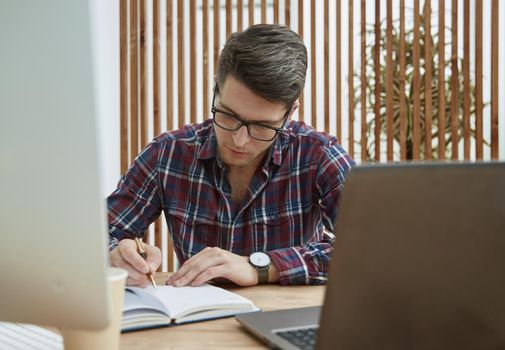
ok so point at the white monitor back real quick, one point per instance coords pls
(53, 255)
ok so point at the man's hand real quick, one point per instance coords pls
(213, 263)
(126, 256)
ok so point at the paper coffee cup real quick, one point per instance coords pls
(107, 338)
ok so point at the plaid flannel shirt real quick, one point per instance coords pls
(288, 212)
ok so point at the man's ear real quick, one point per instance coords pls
(293, 109)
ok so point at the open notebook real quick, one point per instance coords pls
(167, 305)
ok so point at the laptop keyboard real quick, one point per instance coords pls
(17, 336)
(304, 338)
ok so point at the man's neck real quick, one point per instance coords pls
(240, 180)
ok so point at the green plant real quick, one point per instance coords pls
(409, 91)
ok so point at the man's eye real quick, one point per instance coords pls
(261, 127)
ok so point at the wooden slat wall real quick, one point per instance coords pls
(276, 11)
(326, 125)
(134, 88)
(205, 53)
(466, 80)
(478, 80)
(301, 21)
(192, 60)
(338, 67)
(377, 76)
(350, 76)
(263, 11)
(389, 80)
(454, 81)
(441, 79)
(240, 9)
(494, 78)
(228, 18)
(123, 87)
(181, 80)
(250, 11)
(427, 80)
(363, 82)
(143, 75)
(416, 130)
(170, 63)
(157, 228)
(156, 69)
(392, 123)
(168, 248)
(403, 106)
(287, 12)
(313, 76)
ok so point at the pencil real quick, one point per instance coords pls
(143, 254)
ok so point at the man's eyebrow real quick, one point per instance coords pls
(268, 122)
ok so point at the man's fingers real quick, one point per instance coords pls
(153, 267)
(215, 263)
(126, 256)
(208, 274)
(187, 266)
(129, 253)
(135, 278)
(133, 282)
(153, 257)
(194, 267)
(136, 275)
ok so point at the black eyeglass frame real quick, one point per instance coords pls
(214, 110)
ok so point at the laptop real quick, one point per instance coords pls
(418, 263)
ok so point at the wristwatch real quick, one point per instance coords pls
(261, 262)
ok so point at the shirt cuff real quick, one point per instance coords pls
(290, 266)
(113, 243)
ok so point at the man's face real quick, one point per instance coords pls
(237, 148)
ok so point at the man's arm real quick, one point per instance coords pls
(132, 207)
(305, 264)
(308, 263)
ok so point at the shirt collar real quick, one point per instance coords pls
(279, 145)
(208, 147)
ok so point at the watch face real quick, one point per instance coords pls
(259, 259)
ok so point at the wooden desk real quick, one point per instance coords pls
(223, 333)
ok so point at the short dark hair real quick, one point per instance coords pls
(271, 60)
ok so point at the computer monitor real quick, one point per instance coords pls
(53, 254)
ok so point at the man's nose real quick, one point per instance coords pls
(241, 136)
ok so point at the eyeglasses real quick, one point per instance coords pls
(232, 122)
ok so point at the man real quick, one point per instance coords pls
(249, 196)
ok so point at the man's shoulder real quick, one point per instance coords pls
(313, 145)
(300, 132)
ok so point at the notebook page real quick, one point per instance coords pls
(182, 300)
(143, 299)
